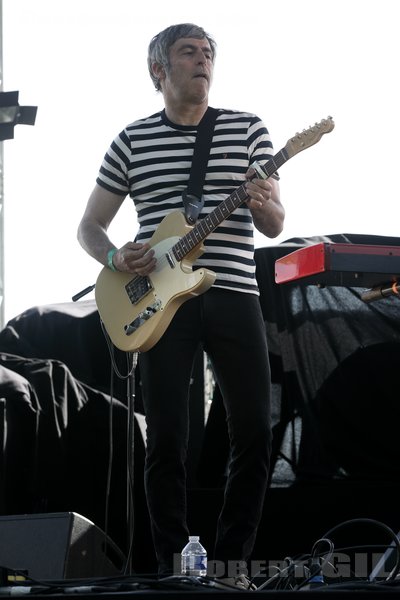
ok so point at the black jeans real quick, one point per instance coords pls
(230, 327)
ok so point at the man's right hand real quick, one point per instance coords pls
(135, 258)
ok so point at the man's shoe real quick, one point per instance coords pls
(240, 582)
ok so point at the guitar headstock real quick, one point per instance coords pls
(309, 137)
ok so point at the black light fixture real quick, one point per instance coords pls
(11, 114)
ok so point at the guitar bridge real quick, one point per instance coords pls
(142, 317)
(138, 288)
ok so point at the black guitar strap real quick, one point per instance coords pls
(192, 197)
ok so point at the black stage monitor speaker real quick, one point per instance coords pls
(57, 546)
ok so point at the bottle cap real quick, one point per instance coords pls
(194, 538)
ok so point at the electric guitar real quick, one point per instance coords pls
(136, 310)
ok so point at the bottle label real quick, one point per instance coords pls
(194, 563)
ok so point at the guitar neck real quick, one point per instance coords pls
(207, 225)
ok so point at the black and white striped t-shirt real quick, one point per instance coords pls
(150, 160)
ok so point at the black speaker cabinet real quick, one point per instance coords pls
(57, 546)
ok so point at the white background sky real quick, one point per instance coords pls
(292, 62)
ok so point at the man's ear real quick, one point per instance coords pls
(158, 71)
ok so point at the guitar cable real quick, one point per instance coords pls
(128, 376)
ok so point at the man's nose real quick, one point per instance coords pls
(201, 57)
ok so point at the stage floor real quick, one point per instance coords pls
(152, 587)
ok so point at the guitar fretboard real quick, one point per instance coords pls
(209, 223)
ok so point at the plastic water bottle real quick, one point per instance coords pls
(194, 558)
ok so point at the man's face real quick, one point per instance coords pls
(189, 73)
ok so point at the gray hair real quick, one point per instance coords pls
(161, 43)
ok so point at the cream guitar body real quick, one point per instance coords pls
(137, 310)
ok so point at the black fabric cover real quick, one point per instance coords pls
(335, 359)
(60, 429)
